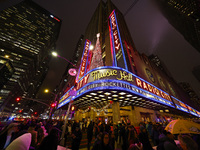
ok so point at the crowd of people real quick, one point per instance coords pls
(46, 135)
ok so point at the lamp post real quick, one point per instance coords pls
(72, 72)
(56, 55)
(72, 93)
(55, 97)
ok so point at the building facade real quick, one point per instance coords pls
(128, 84)
(28, 33)
(184, 16)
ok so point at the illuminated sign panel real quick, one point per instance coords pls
(120, 79)
(121, 85)
(120, 75)
(180, 105)
(198, 113)
(192, 111)
(83, 65)
(116, 43)
(90, 53)
(130, 56)
(149, 87)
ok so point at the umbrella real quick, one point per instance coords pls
(180, 126)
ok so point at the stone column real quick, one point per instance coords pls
(132, 115)
(116, 112)
(77, 114)
(92, 115)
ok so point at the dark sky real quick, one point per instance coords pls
(150, 31)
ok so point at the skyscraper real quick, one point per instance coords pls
(184, 16)
(28, 33)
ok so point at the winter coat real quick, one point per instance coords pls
(166, 144)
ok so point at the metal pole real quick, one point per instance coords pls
(50, 113)
(36, 100)
(67, 60)
(65, 124)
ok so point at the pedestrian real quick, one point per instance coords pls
(51, 141)
(166, 141)
(89, 134)
(31, 130)
(76, 138)
(187, 143)
(155, 134)
(96, 130)
(104, 144)
(144, 139)
(7, 134)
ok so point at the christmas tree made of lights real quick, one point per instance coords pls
(97, 56)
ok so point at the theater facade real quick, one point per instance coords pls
(114, 81)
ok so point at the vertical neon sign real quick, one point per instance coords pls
(83, 66)
(115, 42)
(89, 60)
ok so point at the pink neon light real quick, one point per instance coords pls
(83, 64)
(111, 44)
(56, 19)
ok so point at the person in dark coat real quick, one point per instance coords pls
(76, 138)
(96, 130)
(104, 144)
(7, 135)
(155, 135)
(51, 141)
(89, 134)
(166, 142)
(144, 139)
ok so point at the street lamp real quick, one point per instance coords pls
(54, 102)
(56, 55)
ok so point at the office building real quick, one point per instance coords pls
(184, 16)
(28, 33)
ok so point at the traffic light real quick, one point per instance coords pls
(18, 99)
(35, 113)
(53, 105)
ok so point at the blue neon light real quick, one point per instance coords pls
(114, 54)
(67, 92)
(66, 101)
(113, 67)
(87, 59)
(124, 89)
(121, 43)
(81, 61)
(156, 98)
(113, 45)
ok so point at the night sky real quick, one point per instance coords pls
(150, 31)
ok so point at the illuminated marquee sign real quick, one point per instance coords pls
(147, 86)
(83, 65)
(180, 105)
(121, 79)
(192, 111)
(115, 40)
(107, 73)
(89, 58)
(198, 113)
(121, 85)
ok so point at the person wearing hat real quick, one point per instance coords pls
(7, 134)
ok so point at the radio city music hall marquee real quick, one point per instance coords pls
(116, 77)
